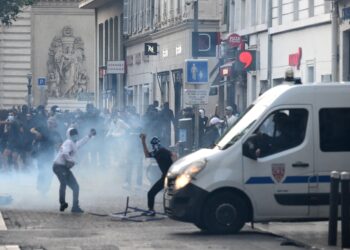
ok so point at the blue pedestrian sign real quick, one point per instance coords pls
(42, 81)
(197, 71)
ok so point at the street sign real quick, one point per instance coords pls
(115, 67)
(151, 49)
(346, 13)
(197, 71)
(204, 44)
(196, 96)
(234, 40)
(41, 81)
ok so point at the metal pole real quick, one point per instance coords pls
(42, 95)
(195, 107)
(269, 44)
(335, 33)
(333, 209)
(29, 86)
(345, 210)
(195, 16)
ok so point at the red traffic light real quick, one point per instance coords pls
(246, 58)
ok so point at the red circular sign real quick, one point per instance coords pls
(234, 40)
(246, 58)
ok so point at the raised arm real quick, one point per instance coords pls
(145, 149)
(85, 139)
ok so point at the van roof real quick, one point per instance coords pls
(322, 94)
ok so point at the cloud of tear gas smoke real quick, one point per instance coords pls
(111, 166)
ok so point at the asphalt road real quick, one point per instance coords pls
(54, 230)
(34, 223)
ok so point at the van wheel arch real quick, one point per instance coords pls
(234, 191)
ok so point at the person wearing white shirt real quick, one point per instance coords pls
(63, 163)
(230, 117)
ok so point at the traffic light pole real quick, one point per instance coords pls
(335, 40)
(195, 107)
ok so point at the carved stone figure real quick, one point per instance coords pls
(66, 70)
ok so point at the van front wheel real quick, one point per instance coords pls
(225, 213)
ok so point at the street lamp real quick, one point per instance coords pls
(29, 86)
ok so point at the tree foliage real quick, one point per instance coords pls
(9, 10)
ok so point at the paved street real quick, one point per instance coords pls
(51, 230)
(33, 221)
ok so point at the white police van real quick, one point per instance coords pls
(273, 164)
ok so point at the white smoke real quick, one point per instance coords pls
(101, 176)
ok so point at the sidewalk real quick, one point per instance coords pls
(313, 234)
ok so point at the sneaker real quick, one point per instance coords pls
(150, 212)
(77, 210)
(63, 206)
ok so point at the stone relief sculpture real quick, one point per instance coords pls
(67, 75)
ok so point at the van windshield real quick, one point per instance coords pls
(241, 127)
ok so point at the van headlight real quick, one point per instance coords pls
(188, 173)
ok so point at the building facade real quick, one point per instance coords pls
(49, 41)
(15, 60)
(169, 24)
(344, 40)
(109, 49)
(284, 33)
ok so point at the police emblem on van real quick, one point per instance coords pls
(278, 171)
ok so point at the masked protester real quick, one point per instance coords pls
(164, 158)
(63, 163)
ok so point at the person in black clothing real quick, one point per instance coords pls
(47, 142)
(150, 121)
(166, 117)
(13, 142)
(262, 144)
(164, 159)
(203, 122)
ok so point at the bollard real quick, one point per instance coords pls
(333, 209)
(345, 209)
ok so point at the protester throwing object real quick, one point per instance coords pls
(64, 161)
(164, 158)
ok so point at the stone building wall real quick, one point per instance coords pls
(15, 60)
(55, 40)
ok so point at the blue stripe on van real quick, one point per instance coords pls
(296, 179)
(324, 178)
(290, 179)
(307, 179)
(260, 180)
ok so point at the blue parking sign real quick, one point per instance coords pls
(197, 71)
(41, 81)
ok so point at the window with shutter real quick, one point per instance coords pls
(125, 17)
(171, 12)
(134, 19)
(148, 14)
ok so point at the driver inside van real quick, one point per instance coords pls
(272, 137)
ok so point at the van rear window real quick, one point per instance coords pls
(334, 129)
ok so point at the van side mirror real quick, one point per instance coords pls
(249, 148)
